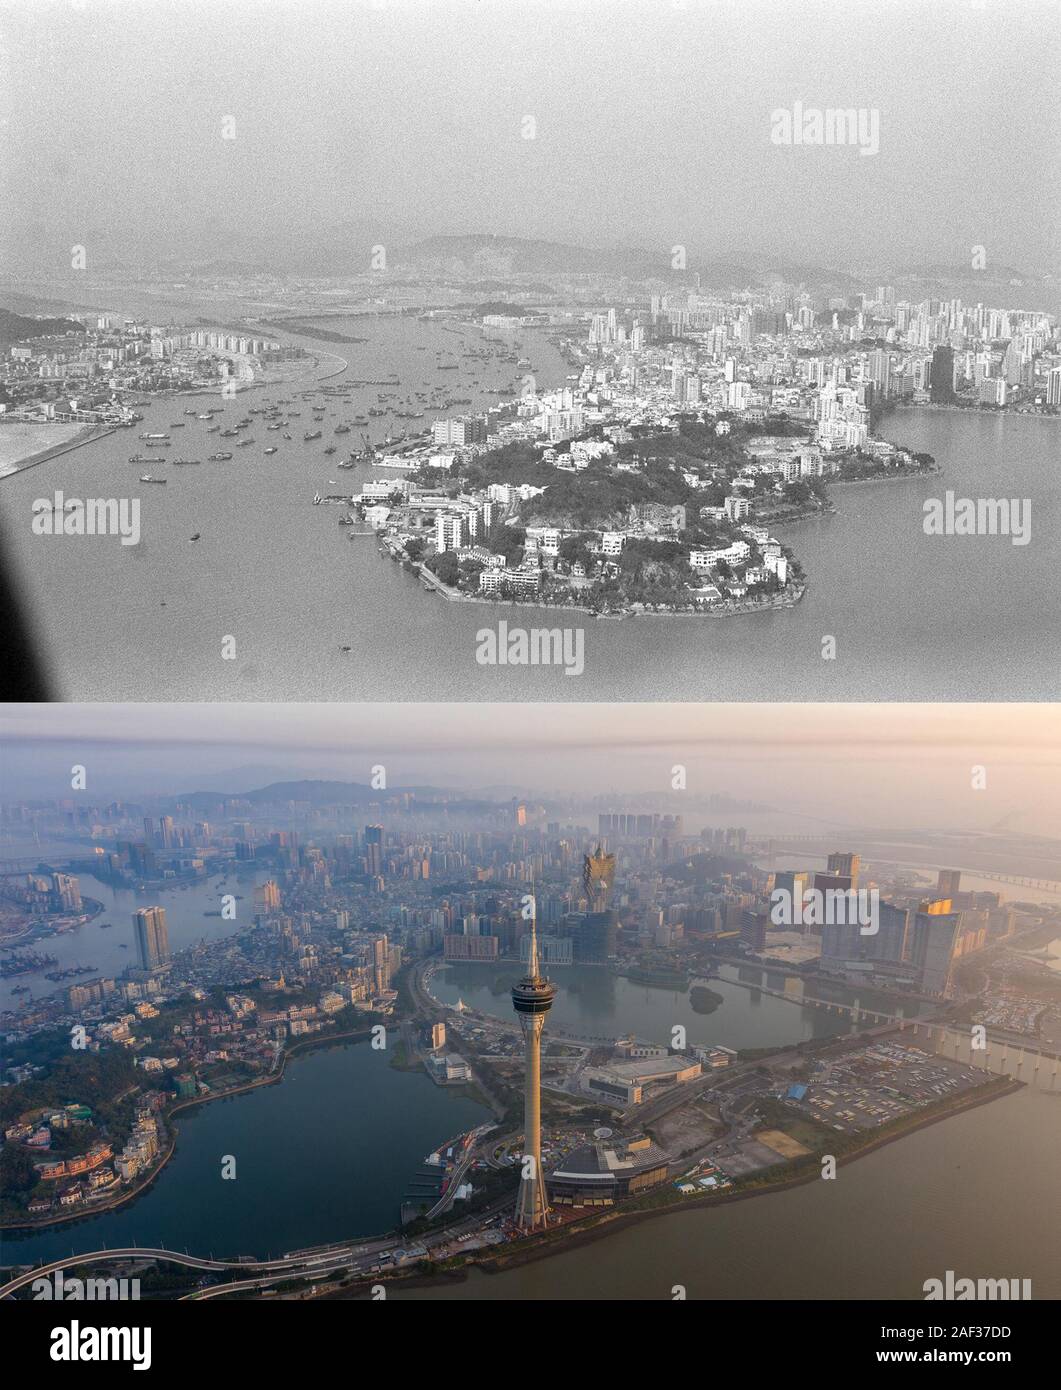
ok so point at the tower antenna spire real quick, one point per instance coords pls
(534, 937)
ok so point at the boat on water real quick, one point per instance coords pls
(147, 478)
(139, 458)
(311, 434)
(179, 462)
(215, 457)
(271, 450)
(330, 449)
(154, 436)
(317, 499)
(205, 416)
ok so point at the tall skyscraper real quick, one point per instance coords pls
(381, 964)
(941, 377)
(598, 876)
(374, 850)
(532, 998)
(152, 938)
(934, 935)
(948, 883)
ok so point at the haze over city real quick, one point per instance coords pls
(652, 126)
(858, 764)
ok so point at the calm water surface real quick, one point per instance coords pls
(915, 617)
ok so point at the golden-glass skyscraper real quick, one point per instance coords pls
(598, 876)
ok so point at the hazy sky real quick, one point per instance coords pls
(870, 765)
(653, 123)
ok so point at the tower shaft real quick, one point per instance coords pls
(532, 1205)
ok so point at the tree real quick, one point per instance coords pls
(445, 566)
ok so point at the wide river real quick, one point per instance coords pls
(915, 617)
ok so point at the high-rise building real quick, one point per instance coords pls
(844, 866)
(934, 935)
(66, 893)
(532, 998)
(598, 876)
(374, 850)
(941, 376)
(152, 937)
(267, 897)
(948, 883)
(381, 964)
(166, 832)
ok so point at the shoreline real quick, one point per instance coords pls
(89, 435)
(726, 609)
(617, 1220)
(87, 1213)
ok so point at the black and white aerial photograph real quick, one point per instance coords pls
(439, 350)
(530, 719)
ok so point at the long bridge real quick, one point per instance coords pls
(770, 846)
(319, 1262)
(859, 1013)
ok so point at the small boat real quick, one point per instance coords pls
(147, 478)
(317, 499)
(196, 536)
(216, 457)
(177, 462)
(271, 451)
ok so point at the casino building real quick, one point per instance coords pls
(600, 1174)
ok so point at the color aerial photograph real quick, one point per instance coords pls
(530, 696)
(761, 1002)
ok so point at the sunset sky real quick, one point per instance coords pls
(864, 764)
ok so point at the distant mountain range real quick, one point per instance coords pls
(502, 266)
(315, 793)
